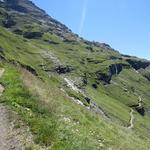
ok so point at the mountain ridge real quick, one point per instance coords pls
(72, 93)
(43, 17)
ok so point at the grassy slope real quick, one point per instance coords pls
(83, 129)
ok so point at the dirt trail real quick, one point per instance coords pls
(131, 119)
(3, 128)
(14, 134)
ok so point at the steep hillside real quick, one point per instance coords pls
(70, 92)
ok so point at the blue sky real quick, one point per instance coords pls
(124, 24)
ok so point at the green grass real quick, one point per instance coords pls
(39, 117)
(84, 129)
(44, 107)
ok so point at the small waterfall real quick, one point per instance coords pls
(93, 106)
(140, 101)
(116, 69)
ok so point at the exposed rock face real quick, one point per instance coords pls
(138, 64)
(27, 8)
(23, 6)
(103, 77)
(14, 4)
(114, 69)
(63, 69)
(97, 44)
(94, 85)
(90, 48)
(105, 46)
(88, 100)
(140, 110)
(85, 79)
(32, 35)
(8, 22)
(139, 107)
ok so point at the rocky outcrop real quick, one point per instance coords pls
(23, 6)
(138, 64)
(8, 22)
(140, 110)
(32, 35)
(63, 69)
(90, 48)
(92, 105)
(27, 9)
(100, 45)
(113, 69)
(88, 100)
(139, 107)
(94, 85)
(15, 6)
(85, 79)
(104, 77)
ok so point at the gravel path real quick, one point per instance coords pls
(14, 134)
(4, 129)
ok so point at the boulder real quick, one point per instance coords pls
(63, 69)
(140, 110)
(88, 100)
(94, 86)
